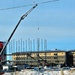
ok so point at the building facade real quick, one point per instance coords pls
(49, 57)
(57, 57)
(71, 57)
(3, 55)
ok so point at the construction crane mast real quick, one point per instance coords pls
(22, 18)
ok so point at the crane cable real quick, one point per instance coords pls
(27, 5)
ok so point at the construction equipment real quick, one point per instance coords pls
(22, 18)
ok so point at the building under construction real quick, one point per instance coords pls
(34, 52)
(50, 57)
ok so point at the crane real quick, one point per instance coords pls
(22, 18)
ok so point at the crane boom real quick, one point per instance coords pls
(25, 15)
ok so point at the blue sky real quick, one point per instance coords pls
(55, 20)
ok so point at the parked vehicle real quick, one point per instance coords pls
(66, 68)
